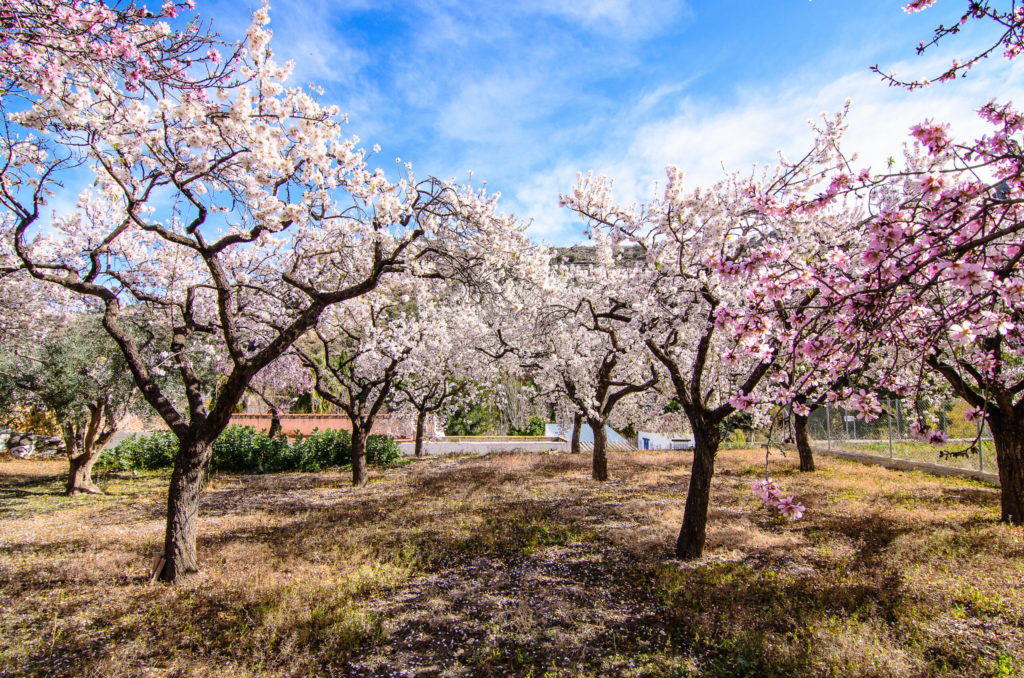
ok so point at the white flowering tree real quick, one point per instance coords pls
(359, 348)
(225, 206)
(583, 345)
(444, 363)
(719, 301)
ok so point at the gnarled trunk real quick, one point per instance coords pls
(80, 471)
(577, 426)
(180, 556)
(421, 418)
(803, 443)
(692, 533)
(359, 473)
(83, 447)
(1008, 437)
(600, 463)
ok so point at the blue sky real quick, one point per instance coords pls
(527, 94)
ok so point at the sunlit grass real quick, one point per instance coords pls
(515, 565)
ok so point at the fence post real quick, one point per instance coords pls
(888, 418)
(981, 444)
(828, 424)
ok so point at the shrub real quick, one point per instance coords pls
(322, 449)
(382, 450)
(243, 449)
(141, 451)
(534, 427)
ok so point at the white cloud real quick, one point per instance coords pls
(707, 139)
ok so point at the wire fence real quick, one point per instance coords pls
(840, 429)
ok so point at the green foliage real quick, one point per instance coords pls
(472, 418)
(735, 421)
(322, 449)
(243, 449)
(382, 450)
(534, 427)
(141, 452)
(69, 370)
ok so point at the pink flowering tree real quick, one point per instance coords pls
(936, 276)
(940, 277)
(280, 384)
(232, 212)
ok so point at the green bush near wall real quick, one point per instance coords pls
(243, 449)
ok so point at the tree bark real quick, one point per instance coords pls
(181, 560)
(1008, 437)
(803, 443)
(83, 447)
(692, 533)
(359, 473)
(275, 424)
(600, 463)
(80, 471)
(421, 417)
(577, 425)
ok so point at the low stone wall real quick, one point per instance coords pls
(908, 465)
(486, 445)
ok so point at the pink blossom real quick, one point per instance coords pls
(917, 6)
(793, 510)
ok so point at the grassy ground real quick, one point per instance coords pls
(515, 565)
(949, 454)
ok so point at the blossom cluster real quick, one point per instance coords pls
(771, 495)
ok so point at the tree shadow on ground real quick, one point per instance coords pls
(463, 570)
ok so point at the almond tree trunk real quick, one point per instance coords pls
(421, 417)
(577, 425)
(359, 473)
(275, 431)
(181, 560)
(600, 463)
(1008, 437)
(692, 533)
(803, 443)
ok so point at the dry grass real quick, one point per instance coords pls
(514, 565)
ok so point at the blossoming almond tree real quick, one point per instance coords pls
(359, 348)
(586, 344)
(444, 363)
(720, 303)
(940, 277)
(234, 214)
(937, 276)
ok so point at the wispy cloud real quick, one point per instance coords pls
(707, 140)
(528, 93)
